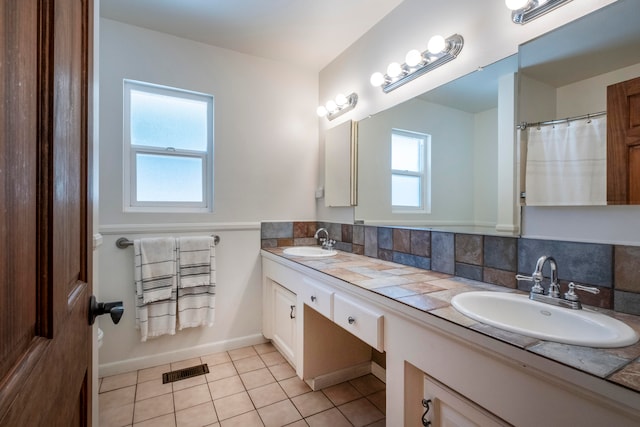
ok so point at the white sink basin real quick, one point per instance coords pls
(311, 251)
(517, 313)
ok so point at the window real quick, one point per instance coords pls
(410, 168)
(168, 137)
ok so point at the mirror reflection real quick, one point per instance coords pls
(563, 84)
(451, 136)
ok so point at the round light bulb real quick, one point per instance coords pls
(413, 58)
(436, 44)
(341, 100)
(516, 4)
(321, 111)
(331, 106)
(377, 79)
(394, 70)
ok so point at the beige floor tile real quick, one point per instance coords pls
(189, 382)
(247, 364)
(368, 384)
(279, 414)
(115, 382)
(282, 371)
(223, 370)
(153, 408)
(311, 403)
(186, 363)
(299, 423)
(226, 387)
(361, 412)
(241, 353)
(230, 406)
(331, 418)
(197, 416)
(264, 348)
(342, 393)
(216, 359)
(191, 397)
(266, 395)
(168, 420)
(154, 373)
(273, 358)
(380, 423)
(294, 386)
(116, 417)
(257, 378)
(379, 400)
(152, 388)
(117, 398)
(250, 419)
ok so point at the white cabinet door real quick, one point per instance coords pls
(284, 321)
(449, 409)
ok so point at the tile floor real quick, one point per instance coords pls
(250, 386)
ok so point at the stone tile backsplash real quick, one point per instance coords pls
(613, 269)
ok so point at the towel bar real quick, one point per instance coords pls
(124, 243)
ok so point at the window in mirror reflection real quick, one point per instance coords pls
(410, 167)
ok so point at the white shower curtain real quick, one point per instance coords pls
(566, 164)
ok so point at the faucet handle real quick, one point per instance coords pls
(571, 295)
(536, 288)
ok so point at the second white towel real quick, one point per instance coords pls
(197, 281)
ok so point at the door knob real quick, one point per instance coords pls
(114, 308)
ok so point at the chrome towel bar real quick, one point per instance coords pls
(124, 243)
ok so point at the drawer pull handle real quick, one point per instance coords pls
(313, 298)
(425, 404)
(351, 320)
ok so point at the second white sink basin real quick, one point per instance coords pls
(311, 251)
(517, 313)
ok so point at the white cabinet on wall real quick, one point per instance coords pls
(283, 315)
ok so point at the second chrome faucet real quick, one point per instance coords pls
(553, 297)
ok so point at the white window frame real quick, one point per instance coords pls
(130, 202)
(424, 173)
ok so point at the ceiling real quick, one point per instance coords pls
(305, 33)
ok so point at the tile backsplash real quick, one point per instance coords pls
(613, 269)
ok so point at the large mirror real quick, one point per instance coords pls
(454, 129)
(564, 76)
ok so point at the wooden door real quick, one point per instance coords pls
(623, 143)
(45, 229)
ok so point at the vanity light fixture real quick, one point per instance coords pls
(439, 51)
(339, 106)
(524, 11)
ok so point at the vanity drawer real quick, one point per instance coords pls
(318, 297)
(362, 321)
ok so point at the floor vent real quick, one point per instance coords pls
(183, 374)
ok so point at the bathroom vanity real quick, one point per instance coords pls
(327, 314)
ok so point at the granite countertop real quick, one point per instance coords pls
(431, 292)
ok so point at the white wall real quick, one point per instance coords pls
(489, 36)
(266, 160)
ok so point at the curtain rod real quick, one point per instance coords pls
(525, 125)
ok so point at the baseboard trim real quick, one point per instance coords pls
(128, 365)
(379, 372)
(340, 376)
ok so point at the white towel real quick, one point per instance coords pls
(155, 314)
(197, 291)
(566, 164)
(195, 261)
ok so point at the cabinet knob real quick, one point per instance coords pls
(313, 298)
(351, 320)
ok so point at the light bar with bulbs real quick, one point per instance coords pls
(341, 105)
(524, 11)
(439, 51)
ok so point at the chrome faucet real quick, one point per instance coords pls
(327, 243)
(570, 299)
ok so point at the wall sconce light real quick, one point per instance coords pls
(339, 106)
(524, 11)
(439, 51)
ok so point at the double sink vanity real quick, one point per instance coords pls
(337, 315)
